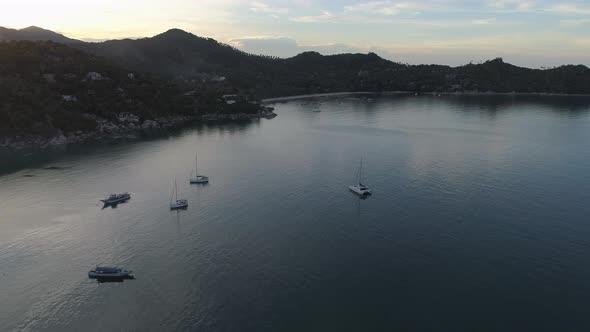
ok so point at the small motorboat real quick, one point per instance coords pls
(109, 272)
(116, 198)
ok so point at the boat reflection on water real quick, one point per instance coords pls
(112, 206)
(363, 197)
(113, 280)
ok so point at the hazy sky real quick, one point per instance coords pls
(529, 33)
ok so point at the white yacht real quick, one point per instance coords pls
(197, 178)
(359, 188)
(175, 203)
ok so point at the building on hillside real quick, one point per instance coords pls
(230, 99)
(69, 98)
(127, 117)
(94, 76)
(49, 78)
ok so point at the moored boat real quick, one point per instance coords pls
(198, 178)
(109, 272)
(175, 203)
(359, 188)
(116, 198)
(179, 204)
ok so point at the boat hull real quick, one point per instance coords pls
(359, 191)
(107, 202)
(199, 180)
(121, 199)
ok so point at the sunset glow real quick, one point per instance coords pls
(528, 33)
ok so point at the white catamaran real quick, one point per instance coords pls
(197, 178)
(360, 189)
(175, 203)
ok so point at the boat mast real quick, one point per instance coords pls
(361, 170)
(174, 194)
(196, 167)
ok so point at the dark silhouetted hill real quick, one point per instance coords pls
(180, 55)
(185, 58)
(35, 33)
(47, 87)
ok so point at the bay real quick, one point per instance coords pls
(478, 222)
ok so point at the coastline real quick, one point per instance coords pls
(109, 130)
(313, 95)
(429, 93)
(491, 93)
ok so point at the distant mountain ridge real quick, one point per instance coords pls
(35, 33)
(183, 57)
(177, 54)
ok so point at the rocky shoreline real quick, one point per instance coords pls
(128, 126)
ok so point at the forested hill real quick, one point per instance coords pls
(183, 57)
(46, 87)
(177, 53)
(35, 33)
(180, 55)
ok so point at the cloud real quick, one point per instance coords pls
(384, 7)
(330, 18)
(418, 13)
(261, 7)
(582, 42)
(370, 12)
(574, 22)
(486, 21)
(513, 5)
(523, 49)
(267, 45)
(518, 48)
(285, 47)
(569, 9)
(324, 17)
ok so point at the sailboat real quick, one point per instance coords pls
(198, 178)
(360, 189)
(175, 203)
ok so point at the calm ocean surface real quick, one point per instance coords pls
(480, 221)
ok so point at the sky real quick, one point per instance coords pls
(531, 33)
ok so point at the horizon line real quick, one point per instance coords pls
(101, 40)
